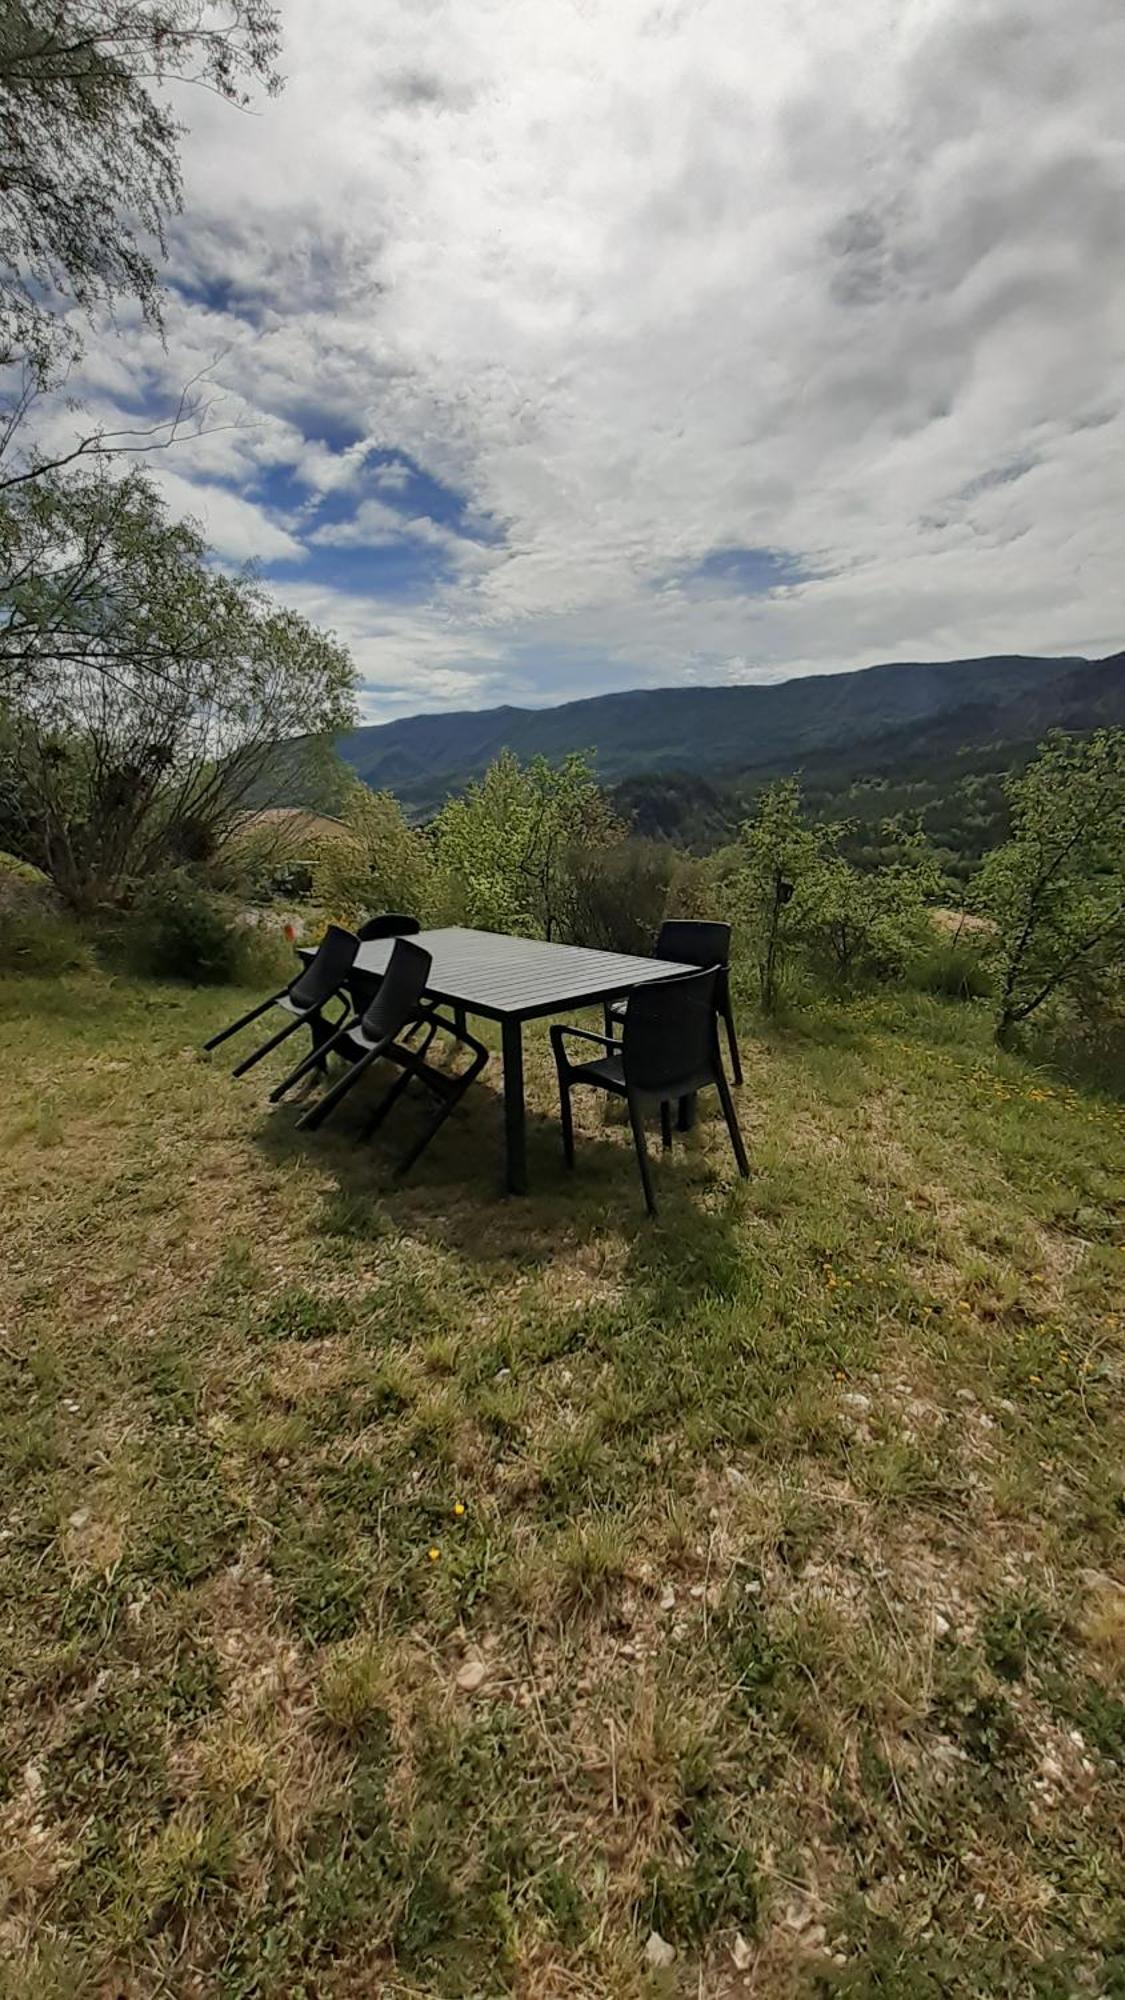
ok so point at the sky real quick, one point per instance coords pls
(552, 347)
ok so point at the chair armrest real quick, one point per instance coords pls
(559, 1031)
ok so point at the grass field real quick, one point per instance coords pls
(411, 1592)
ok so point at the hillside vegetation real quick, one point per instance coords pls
(920, 709)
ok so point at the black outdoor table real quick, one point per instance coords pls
(513, 980)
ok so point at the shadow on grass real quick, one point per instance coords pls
(454, 1196)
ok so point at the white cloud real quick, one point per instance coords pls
(239, 530)
(645, 281)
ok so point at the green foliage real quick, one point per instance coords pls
(776, 861)
(956, 969)
(871, 924)
(180, 929)
(1056, 890)
(503, 852)
(144, 691)
(620, 894)
(378, 862)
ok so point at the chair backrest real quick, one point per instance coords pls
(328, 968)
(391, 924)
(400, 989)
(669, 1034)
(693, 943)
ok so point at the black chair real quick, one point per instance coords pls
(304, 999)
(687, 942)
(391, 924)
(669, 1049)
(370, 1037)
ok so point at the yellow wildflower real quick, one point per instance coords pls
(434, 1555)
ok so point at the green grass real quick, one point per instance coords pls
(780, 1535)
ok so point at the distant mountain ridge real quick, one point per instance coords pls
(743, 727)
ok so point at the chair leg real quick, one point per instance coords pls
(274, 1042)
(244, 1020)
(566, 1117)
(386, 1104)
(727, 1103)
(732, 1038)
(326, 1104)
(448, 1105)
(314, 1061)
(637, 1123)
(666, 1125)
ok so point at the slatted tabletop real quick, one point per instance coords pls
(512, 978)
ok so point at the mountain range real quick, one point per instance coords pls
(875, 719)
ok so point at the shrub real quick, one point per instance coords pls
(181, 929)
(376, 862)
(38, 938)
(620, 894)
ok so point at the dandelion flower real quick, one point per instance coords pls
(458, 1508)
(434, 1555)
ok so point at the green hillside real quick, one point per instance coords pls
(425, 757)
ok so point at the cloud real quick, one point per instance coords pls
(237, 528)
(746, 341)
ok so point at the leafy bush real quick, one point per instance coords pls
(504, 851)
(377, 862)
(620, 894)
(871, 925)
(181, 929)
(38, 938)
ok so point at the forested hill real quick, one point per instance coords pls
(423, 758)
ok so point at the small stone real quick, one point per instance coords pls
(80, 1517)
(741, 1952)
(32, 1780)
(734, 1477)
(668, 1599)
(697, 1590)
(941, 1625)
(472, 1676)
(658, 1952)
(857, 1400)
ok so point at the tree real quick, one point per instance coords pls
(89, 166)
(377, 862)
(776, 857)
(503, 851)
(145, 692)
(1056, 890)
(870, 922)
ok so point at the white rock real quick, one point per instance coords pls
(658, 1951)
(472, 1676)
(741, 1952)
(941, 1625)
(668, 1599)
(80, 1517)
(734, 1477)
(856, 1399)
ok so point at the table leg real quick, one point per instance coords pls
(686, 1119)
(515, 1120)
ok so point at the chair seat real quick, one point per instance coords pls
(606, 1071)
(291, 1007)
